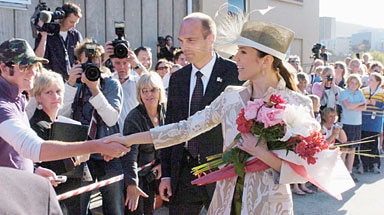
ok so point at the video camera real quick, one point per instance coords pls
(316, 51)
(91, 70)
(43, 13)
(161, 41)
(121, 46)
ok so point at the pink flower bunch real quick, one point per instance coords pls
(270, 113)
(283, 126)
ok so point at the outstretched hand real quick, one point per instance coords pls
(133, 194)
(117, 138)
(112, 149)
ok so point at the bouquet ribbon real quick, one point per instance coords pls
(255, 165)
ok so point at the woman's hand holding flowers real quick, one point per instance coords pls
(250, 144)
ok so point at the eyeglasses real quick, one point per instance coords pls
(23, 68)
(146, 91)
(162, 67)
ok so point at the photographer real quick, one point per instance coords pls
(125, 67)
(324, 54)
(100, 100)
(167, 49)
(57, 43)
(327, 90)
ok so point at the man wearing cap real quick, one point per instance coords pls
(19, 144)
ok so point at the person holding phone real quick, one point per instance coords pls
(48, 91)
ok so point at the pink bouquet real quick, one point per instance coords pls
(281, 125)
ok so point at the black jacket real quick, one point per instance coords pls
(137, 121)
(224, 73)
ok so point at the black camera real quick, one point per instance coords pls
(329, 78)
(120, 45)
(316, 51)
(48, 17)
(151, 176)
(91, 70)
(161, 41)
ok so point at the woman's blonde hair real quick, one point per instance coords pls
(153, 80)
(46, 79)
(325, 112)
(355, 77)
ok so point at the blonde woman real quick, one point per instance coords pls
(353, 103)
(141, 187)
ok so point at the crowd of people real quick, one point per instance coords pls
(186, 104)
(350, 97)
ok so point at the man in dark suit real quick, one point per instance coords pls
(16, 198)
(197, 35)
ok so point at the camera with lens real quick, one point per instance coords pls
(43, 13)
(329, 78)
(151, 176)
(120, 45)
(316, 51)
(91, 70)
(161, 42)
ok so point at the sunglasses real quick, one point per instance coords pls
(23, 68)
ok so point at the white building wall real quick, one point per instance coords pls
(302, 18)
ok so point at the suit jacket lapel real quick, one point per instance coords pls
(184, 86)
(216, 82)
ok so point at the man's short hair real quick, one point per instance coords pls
(70, 7)
(208, 25)
(80, 48)
(142, 48)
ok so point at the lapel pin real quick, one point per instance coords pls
(219, 79)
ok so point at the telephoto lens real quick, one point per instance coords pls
(120, 48)
(92, 72)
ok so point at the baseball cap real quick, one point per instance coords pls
(18, 51)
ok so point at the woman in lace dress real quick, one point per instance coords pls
(261, 48)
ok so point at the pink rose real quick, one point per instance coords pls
(252, 108)
(270, 116)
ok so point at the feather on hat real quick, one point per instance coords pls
(234, 28)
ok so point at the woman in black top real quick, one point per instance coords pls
(49, 91)
(148, 114)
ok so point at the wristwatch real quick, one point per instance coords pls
(138, 66)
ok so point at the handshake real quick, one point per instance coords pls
(116, 145)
